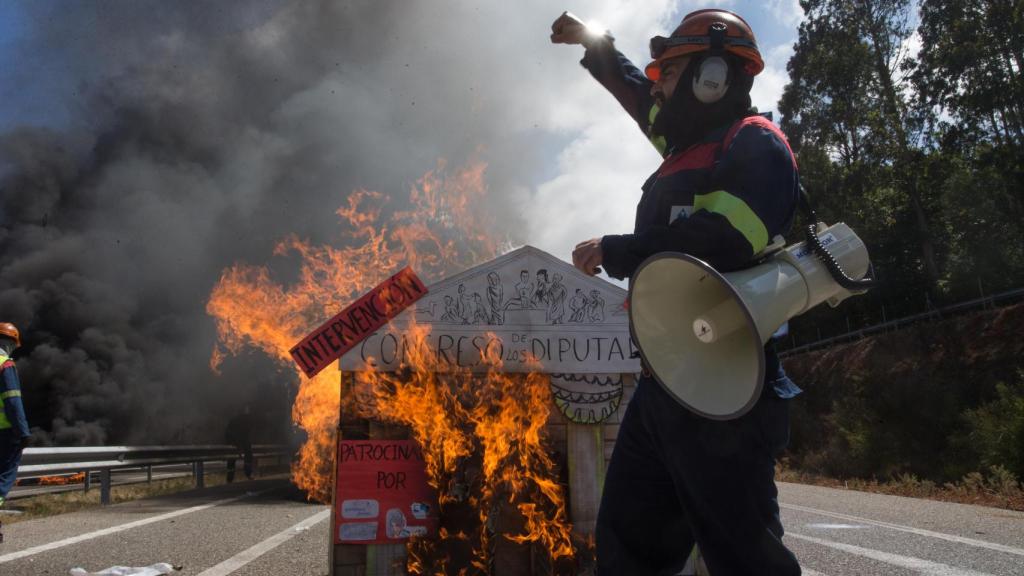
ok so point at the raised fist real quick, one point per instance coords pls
(568, 29)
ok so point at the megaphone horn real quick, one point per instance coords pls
(702, 333)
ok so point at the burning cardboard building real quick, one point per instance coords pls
(510, 378)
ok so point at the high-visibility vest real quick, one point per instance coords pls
(5, 423)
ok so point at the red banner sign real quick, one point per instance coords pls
(341, 333)
(382, 495)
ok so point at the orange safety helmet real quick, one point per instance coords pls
(11, 331)
(698, 32)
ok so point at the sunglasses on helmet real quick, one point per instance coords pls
(659, 44)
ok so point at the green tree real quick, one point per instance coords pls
(972, 61)
(970, 77)
(847, 98)
(994, 432)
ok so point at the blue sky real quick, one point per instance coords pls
(12, 29)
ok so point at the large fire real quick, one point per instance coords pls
(481, 434)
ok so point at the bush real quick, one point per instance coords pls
(994, 431)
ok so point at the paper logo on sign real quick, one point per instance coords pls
(410, 531)
(395, 523)
(357, 532)
(419, 510)
(806, 250)
(360, 509)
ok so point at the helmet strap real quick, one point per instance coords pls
(712, 79)
(716, 34)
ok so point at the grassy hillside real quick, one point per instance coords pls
(937, 400)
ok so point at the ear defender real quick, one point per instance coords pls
(712, 80)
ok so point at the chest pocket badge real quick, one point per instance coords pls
(677, 212)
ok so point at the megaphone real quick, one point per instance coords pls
(702, 333)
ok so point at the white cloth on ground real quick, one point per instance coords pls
(152, 570)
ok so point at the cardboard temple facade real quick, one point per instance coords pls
(537, 314)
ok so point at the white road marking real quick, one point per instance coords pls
(826, 526)
(242, 558)
(120, 528)
(918, 564)
(918, 531)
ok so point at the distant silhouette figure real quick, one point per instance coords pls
(239, 434)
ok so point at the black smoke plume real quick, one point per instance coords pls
(163, 141)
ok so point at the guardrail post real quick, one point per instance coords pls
(97, 463)
(105, 486)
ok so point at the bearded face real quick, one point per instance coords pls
(684, 120)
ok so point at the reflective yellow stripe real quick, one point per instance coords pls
(653, 113)
(737, 213)
(5, 424)
(660, 144)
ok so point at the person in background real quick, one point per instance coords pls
(14, 433)
(239, 434)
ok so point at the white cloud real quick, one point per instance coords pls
(768, 85)
(599, 171)
(787, 12)
(596, 189)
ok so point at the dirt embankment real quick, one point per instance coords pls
(936, 400)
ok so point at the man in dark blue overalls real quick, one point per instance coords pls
(14, 434)
(728, 184)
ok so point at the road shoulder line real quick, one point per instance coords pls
(121, 528)
(918, 564)
(910, 529)
(246, 556)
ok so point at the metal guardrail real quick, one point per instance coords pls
(41, 462)
(934, 314)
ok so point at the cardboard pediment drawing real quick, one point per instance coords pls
(524, 304)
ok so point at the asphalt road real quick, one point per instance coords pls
(264, 527)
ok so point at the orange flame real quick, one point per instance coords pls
(482, 435)
(62, 479)
(493, 422)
